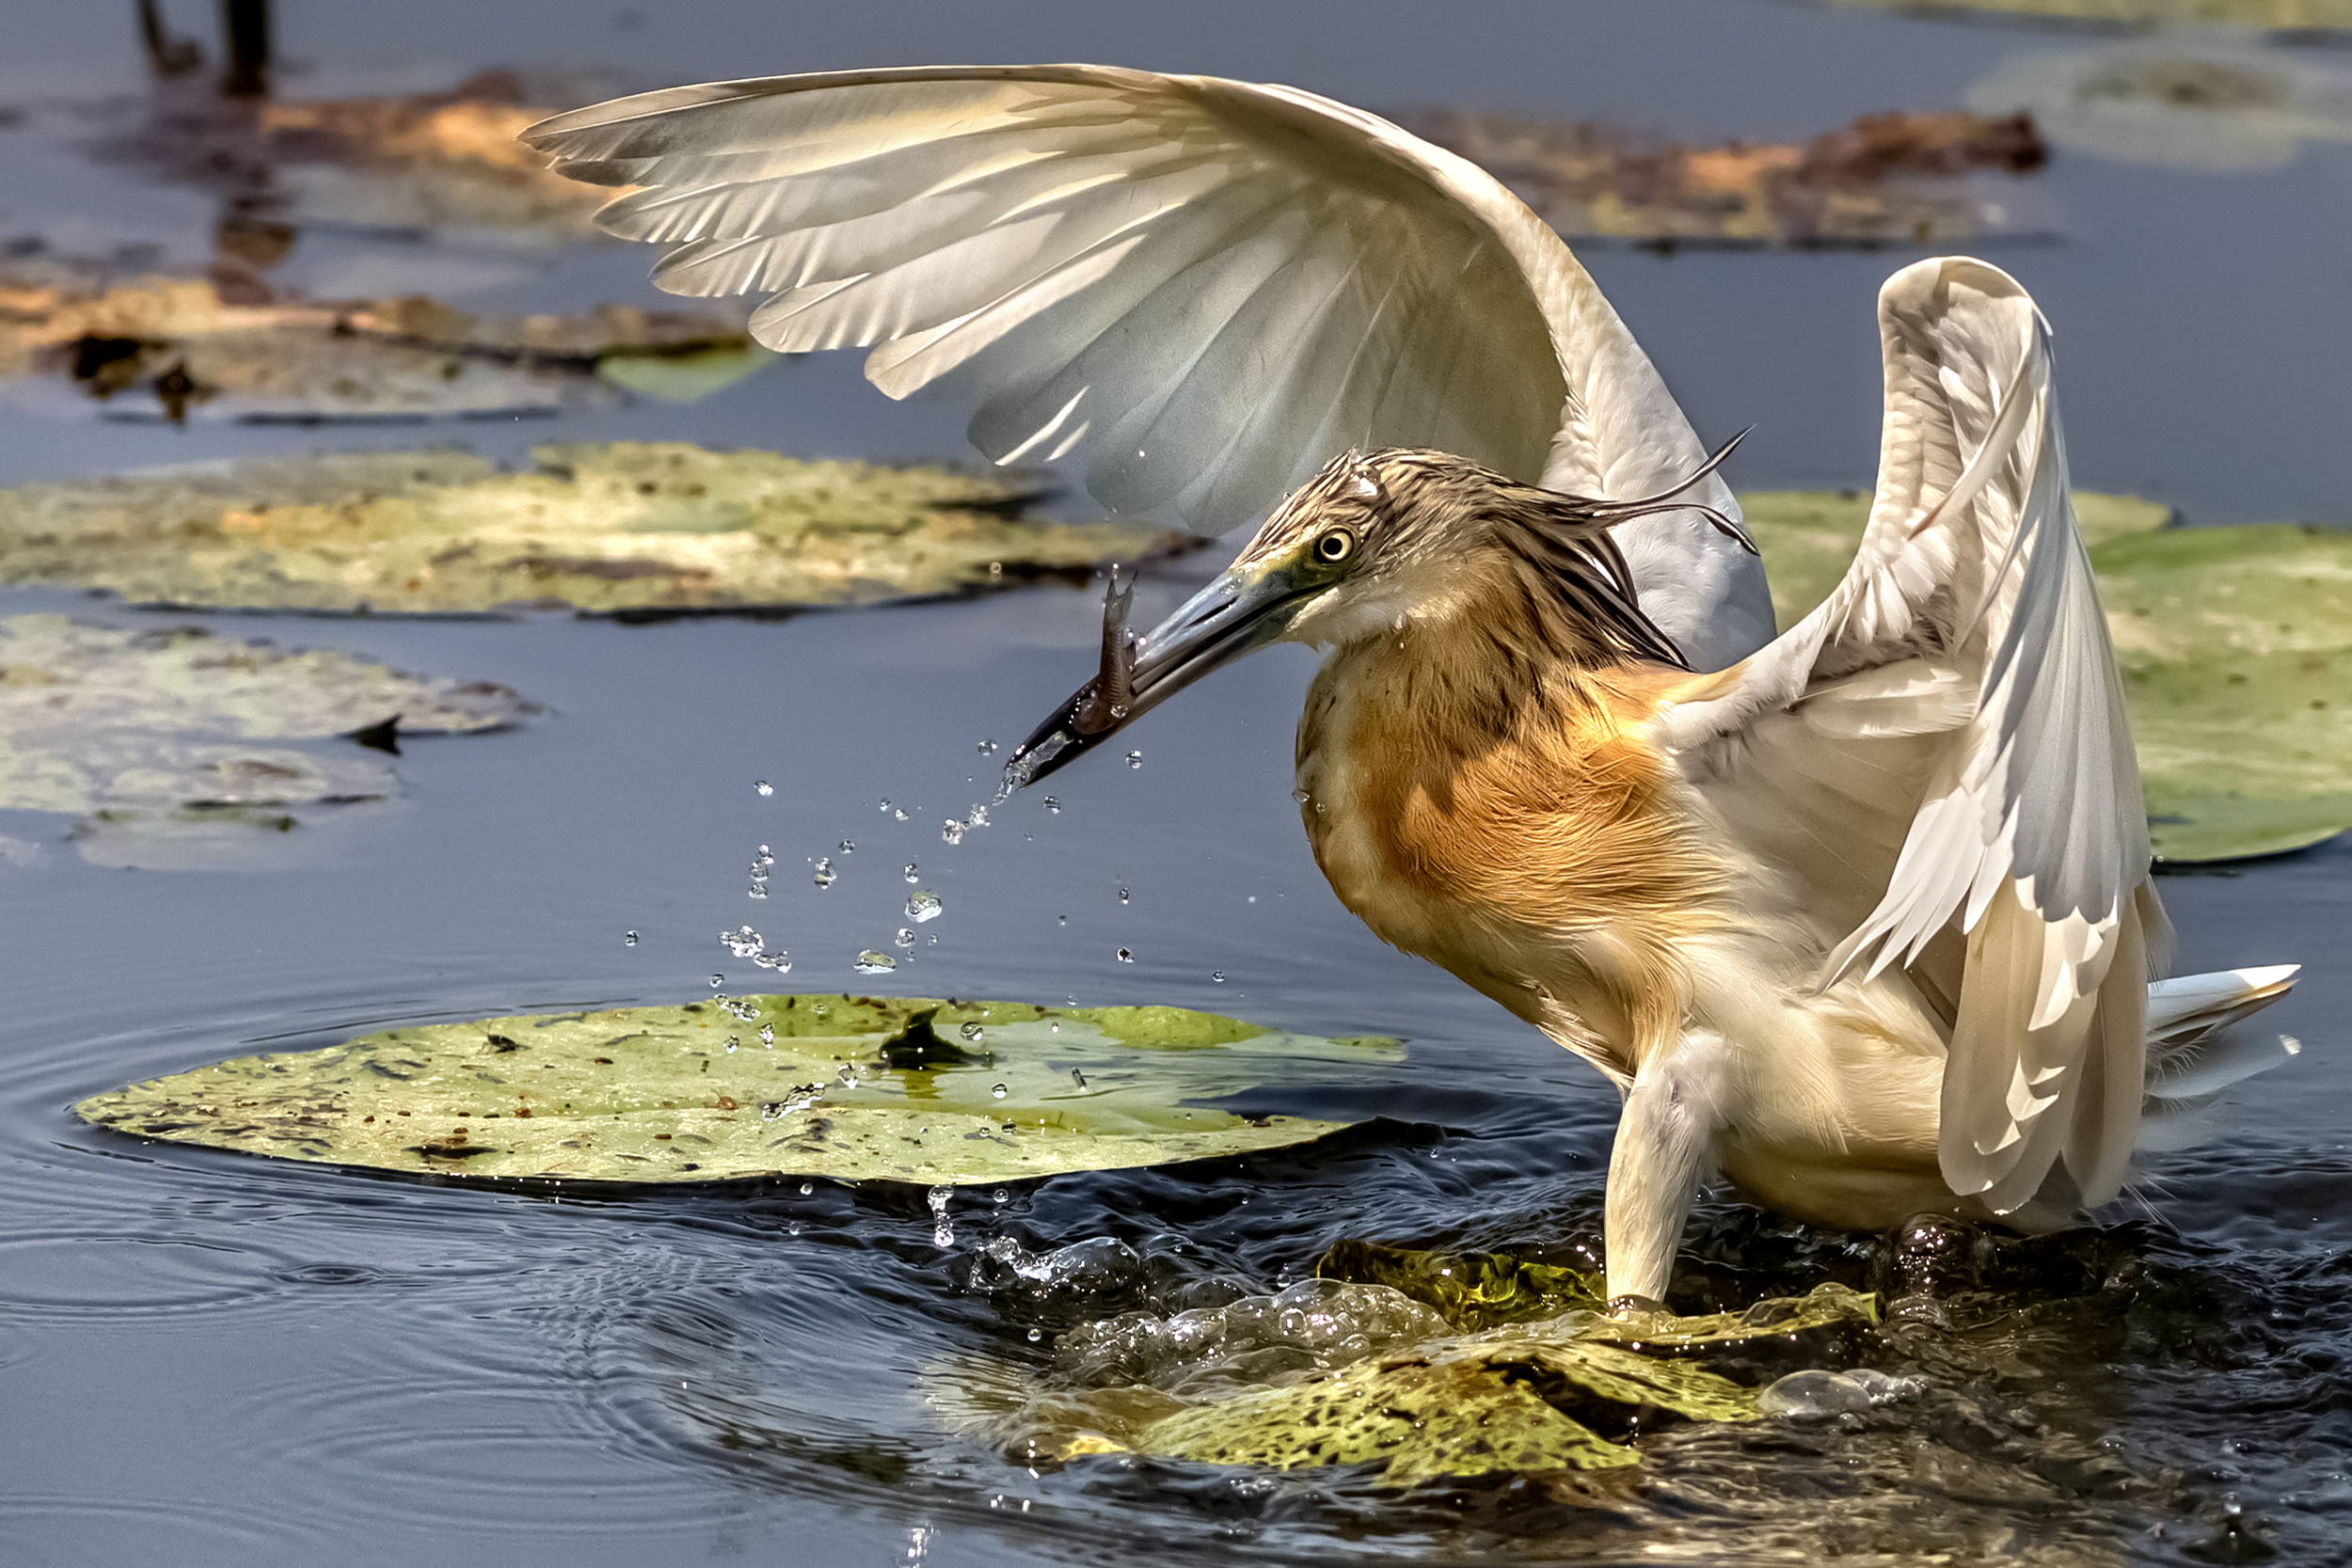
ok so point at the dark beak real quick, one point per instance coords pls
(1244, 610)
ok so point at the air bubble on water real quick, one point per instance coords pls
(924, 906)
(628, 938)
(734, 1043)
(951, 831)
(718, 980)
(1125, 957)
(905, 937)
(1034, 1335)
(1001, 1196)
(764, 788)
(999, 1091)
(870, 962)
(767, 1036)
(1053, 805)
(942, 1235)
(1078, 1078)
(971, 1031)
(1217, 976)
(1812, 1395)
(1135, 759)
(910, 871)
(825, 876)
(988, 748)
(808, 1187)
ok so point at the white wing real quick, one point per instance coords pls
(1208, 288)
(1945, 738)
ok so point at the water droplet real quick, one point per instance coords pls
(1053, 805)
(793, 1229)
(885, 806)
(1034, 1335)
(870, 962)
(1001, 1196)
(1253, 897)
(988, 748)
(628, 938)
(1322, 809)
(972, 1031)
(1135, 759)
(1301, 796)
(952, 830)
(1217, 976)
(1123, 896)
(942, 1235)
(899, 815)
(1078, 1078)
(910, 871)
(808, 1187)
(758, 889)
(742, 941)
(734, 1043)
(821, 1009)
(1061, 919)
(1057, 1029)
(978, 818)
(718, 980)
(1811, 1395)
(905, 937)
(1000, 1091)
(1125, 957)
(924, 906)
(764, 788)
(767, 1036)
(765, 856)
(825, 874)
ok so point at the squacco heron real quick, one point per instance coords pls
(1857, 917)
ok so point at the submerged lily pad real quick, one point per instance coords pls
(1472, 1290)
(2235, 645)
(855, 1088)
(148, 735)
(629, 528)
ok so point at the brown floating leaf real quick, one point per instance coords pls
(1890, 178)
(631, 527)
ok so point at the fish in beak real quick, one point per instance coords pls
(1248, 605)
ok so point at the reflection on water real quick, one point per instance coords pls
(259, 1363)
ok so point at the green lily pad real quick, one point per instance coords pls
(855, 1088)
(148, 737)
(2235, 647)
(632, 529)
(1474, 1290)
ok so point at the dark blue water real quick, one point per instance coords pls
(207, 1358)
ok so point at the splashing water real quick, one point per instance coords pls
(942, 1235)
(767, 1037)
(870, 962)
(742, 941)
(825, 876)
(924, 906)
(763, 789)
(978, 818)
(951, 831)
(734, 1043)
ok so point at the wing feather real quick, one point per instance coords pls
(2022, 826)
(1206, 287)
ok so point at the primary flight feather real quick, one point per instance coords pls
(1858, 917)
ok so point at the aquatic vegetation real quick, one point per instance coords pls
(2181, 103)
(2235, 645)
(153, 739)
(851, 1088)
(1889, 179)
(632, 529)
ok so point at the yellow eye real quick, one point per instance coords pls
(1335, 547)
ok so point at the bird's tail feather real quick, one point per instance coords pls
(2195, 1050)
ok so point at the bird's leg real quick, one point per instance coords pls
(1664, 1152)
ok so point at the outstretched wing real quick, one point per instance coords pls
(1947, 741)
(1206, 288)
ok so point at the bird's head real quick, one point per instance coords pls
(1372, 545)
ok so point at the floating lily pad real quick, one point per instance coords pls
(2180, 102)
(148, 735)
(1889, 179)
(2235, 645)
(2293, 18)
(854, 1088)
(1472, 1290)
(629, 528)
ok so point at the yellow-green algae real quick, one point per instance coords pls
(2235, 647)
(853, 1087)
(628, 527)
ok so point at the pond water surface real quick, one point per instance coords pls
(209, 1358)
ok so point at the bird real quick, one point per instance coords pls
(1856, 916)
